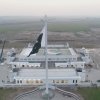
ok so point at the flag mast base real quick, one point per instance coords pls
(48, 96)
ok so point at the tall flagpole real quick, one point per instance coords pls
(46, 57)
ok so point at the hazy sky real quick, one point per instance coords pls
(50, 7)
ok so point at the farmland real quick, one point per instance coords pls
(78, 32)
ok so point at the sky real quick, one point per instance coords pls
(61, 8)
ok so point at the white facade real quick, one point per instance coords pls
(78, 64)
(24, 65)
(55, 76)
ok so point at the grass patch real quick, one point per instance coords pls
(5, 94)
(90, 93)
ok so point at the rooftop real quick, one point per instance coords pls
(53, 51)
(52, 73)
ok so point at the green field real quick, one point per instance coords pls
(90, 93)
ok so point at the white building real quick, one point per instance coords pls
(60, 57)
(63, 64)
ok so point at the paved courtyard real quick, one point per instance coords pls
(37, 96)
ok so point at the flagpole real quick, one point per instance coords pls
(46, 57)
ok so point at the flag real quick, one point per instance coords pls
(40, 42)
(37, 45)
(43, 38)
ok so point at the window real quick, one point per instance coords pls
(57, 81)
(62, 81)
(53, 81)
(14, 81)
(76, 81)
(41, 81)
(20, 81)
(81, 65)
(22, 65)
(17, 81)
(31, 81)
(73, 81)
(37, 81)
(71, 65)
